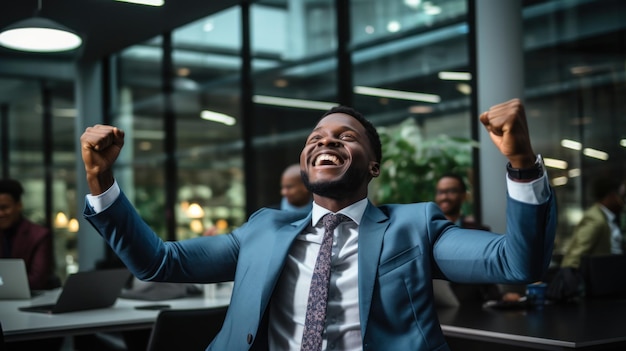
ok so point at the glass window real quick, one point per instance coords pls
(27, 148)
(412, 77)
(295, 79)
(65, 200)
(139, 112)
(207, 64)
(575, 83)
(379, 20)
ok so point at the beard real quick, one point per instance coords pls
(345, 186)
(451, 210)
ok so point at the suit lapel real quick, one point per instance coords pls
(282, 243)
(371, 232)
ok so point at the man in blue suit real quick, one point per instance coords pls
(383, 259)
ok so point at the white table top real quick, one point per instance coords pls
(19, 325)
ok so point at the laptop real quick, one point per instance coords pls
(86, 290)
(13, 279)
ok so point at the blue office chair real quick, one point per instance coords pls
(187, 329)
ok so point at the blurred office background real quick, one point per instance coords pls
(216, 98)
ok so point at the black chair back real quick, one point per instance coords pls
(2, 348)
(604, 275)
(187, 329)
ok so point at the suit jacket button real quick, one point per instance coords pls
(250, 338)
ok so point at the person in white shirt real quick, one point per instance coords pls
(383, 259)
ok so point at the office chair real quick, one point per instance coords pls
(604, 275)
(187, 329)
(2, 348)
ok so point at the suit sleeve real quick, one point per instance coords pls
(148, 257)
(522, 255)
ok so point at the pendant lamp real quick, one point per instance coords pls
(39, 34)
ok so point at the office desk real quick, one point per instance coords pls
(585, 325)
(18, 325)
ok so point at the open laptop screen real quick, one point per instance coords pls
(13, 279)
(86, 291)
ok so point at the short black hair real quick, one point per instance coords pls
(372, 133)
(12, 187)
(458, 178)
(604, 186)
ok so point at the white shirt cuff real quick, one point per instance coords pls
(101, 202)
(534, 192)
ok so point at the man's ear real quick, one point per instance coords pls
(374, 169)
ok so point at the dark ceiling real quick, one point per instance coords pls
(107, 26)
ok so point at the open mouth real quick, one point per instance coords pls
(327, 160)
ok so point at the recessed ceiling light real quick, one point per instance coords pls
(183, 72)
(421, 109)
(571, 144)
(297, 103)
(281, 83)
(208, 26)
(397, 94)
(559, 181)
(145, 2)
(218, 117)
(555, 163)
(393, 26)
(445, 75)
(573, 173)
(593, 153)
(464, 88)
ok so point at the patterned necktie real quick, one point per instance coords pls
(318, 294)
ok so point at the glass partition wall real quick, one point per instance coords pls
(216, 109)
(574, 87)
(294, 81)
(37, 138)
(179, 98)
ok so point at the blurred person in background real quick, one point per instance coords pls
(598, 232)
(21, 238)
(450, 194)
(295, 195)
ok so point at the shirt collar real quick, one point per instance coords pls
(354, 211)
(285, 205)
(610, 216)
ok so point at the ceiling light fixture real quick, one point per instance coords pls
(554, 163)
(397, 94)
(559, 181)
(593, 153)
(297, 103)
(145, 2)
(571, 144)
(573, 173)
(446, 75)
(218, 117)
(39, 34)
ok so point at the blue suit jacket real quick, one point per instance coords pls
(401, 249)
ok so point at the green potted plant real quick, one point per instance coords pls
(412, 164)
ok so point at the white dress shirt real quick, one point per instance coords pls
(616, 232)
(289, 301)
